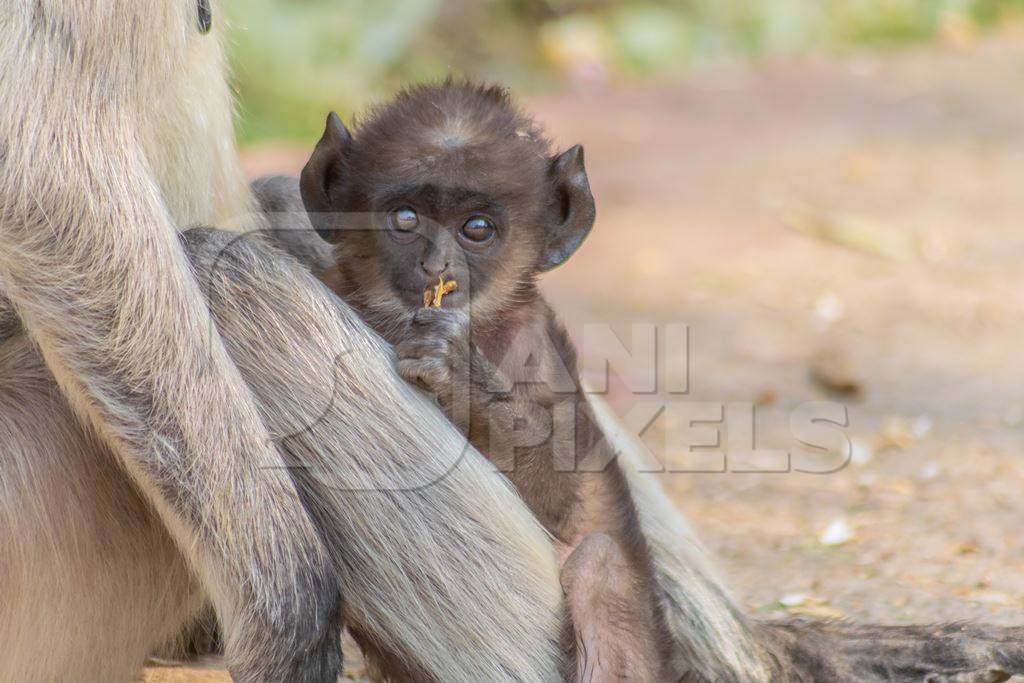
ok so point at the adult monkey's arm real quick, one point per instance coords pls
(106, 115)
(446, 574)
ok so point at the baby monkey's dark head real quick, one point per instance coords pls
(447, 181)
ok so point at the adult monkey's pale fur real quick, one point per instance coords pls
(116, 131)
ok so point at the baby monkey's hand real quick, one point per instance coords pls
(435, 352)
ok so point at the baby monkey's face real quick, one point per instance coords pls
(449, 182)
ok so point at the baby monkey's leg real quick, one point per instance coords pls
(613, 625)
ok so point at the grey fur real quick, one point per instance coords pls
(288, 224)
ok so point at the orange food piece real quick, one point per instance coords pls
(432, 297)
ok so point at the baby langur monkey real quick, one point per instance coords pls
(452, 183)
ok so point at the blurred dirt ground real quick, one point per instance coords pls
(854, 222)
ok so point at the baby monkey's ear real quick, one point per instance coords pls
(321, 172)
(573, 211)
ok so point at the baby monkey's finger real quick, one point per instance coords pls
(429, 373)
(446, 318)
(422, 347)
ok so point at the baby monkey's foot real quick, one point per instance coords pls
(435, 352)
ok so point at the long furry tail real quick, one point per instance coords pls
(809, 651)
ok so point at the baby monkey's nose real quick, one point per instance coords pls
(434, 267)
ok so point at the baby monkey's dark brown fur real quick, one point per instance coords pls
(452, 181)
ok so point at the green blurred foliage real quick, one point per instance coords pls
(294, 60)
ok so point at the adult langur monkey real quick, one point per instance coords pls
(177, 427)
(150, 483)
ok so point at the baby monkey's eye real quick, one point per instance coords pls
(404, 218)
(402, 224)
(478, 229)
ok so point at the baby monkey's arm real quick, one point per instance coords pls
(438, 354)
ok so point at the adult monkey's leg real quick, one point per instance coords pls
(446, 574)
(110, 111)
